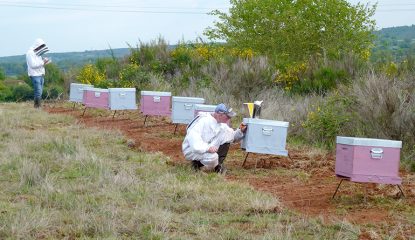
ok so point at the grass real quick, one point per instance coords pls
(59, 179)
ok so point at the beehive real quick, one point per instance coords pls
(155, 103)
(368, 160)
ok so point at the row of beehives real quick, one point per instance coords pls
(360, 159)
(181, 109)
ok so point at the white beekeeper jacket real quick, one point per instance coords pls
(203, 133)
(35, 64)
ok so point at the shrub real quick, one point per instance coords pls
(22, 92)
(2, 74)
(133, 75)
(53, 92)
(321, 81)
(109, 66)
(328, 120)
(5, 92)
(53, 75)
(90, 74)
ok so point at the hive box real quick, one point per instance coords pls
(265, 136)
(155, 103)
(204, 108)
(183, 109)
(368, 160)
(76, 92)
(96, 98)
(207, 108)
(122, 99)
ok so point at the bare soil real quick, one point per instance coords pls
(305, 182)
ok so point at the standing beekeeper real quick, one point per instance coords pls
(36, 68)
(208, 139)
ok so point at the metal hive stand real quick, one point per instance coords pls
(348, 179)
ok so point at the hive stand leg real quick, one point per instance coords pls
(114, 114)
(73, 108)
(175, 129)
(338, 186)
(256, 163)
(84, 111)
(246, 156)
(289, 157)
(400, 189)
(145, 119)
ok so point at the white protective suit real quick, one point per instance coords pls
(35, 64)
(203, 133)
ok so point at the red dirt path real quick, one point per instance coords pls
(304, 183)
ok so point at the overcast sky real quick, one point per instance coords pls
(76, 25)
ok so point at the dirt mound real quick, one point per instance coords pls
(305, 182)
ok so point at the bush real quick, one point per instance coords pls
(90, 74)
(53, 75)
(22, 92)
(321, 81)
(5, 92)
(109, 66)
(2, 74)
(52, 92)
(134, 76)
(328, 120)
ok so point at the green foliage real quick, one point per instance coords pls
(52, 91)
(109, 66)
(321, 82)
(53, 75)
(296, 30)
(5, 92)
(327, 120)
(22, 92)
(2, 74)
(152, 57)
(133, 75)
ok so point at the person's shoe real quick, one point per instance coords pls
(196, 165)
(37, 103)
(221, 169)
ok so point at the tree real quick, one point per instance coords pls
(295, 30)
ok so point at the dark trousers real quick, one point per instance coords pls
(222, 152)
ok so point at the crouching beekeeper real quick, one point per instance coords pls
(208, 139)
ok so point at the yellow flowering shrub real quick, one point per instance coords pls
(291, 75)
(90, 74)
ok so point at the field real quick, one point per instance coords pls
(67, 176)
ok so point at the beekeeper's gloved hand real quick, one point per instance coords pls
(243, 127)
(213, 149)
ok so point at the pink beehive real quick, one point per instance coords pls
(96, 98)
(368, 160)
(155, 103)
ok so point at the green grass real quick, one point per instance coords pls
(60, 180)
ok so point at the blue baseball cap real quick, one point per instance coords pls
(222, 108)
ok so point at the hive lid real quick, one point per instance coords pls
(188, 99)
(81, 85)
(266, 122)
(155, 93)
(121, 89)
(205, 107)
(97, 90)
(368, 142)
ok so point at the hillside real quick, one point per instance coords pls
(16, 65)
(394, 44)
